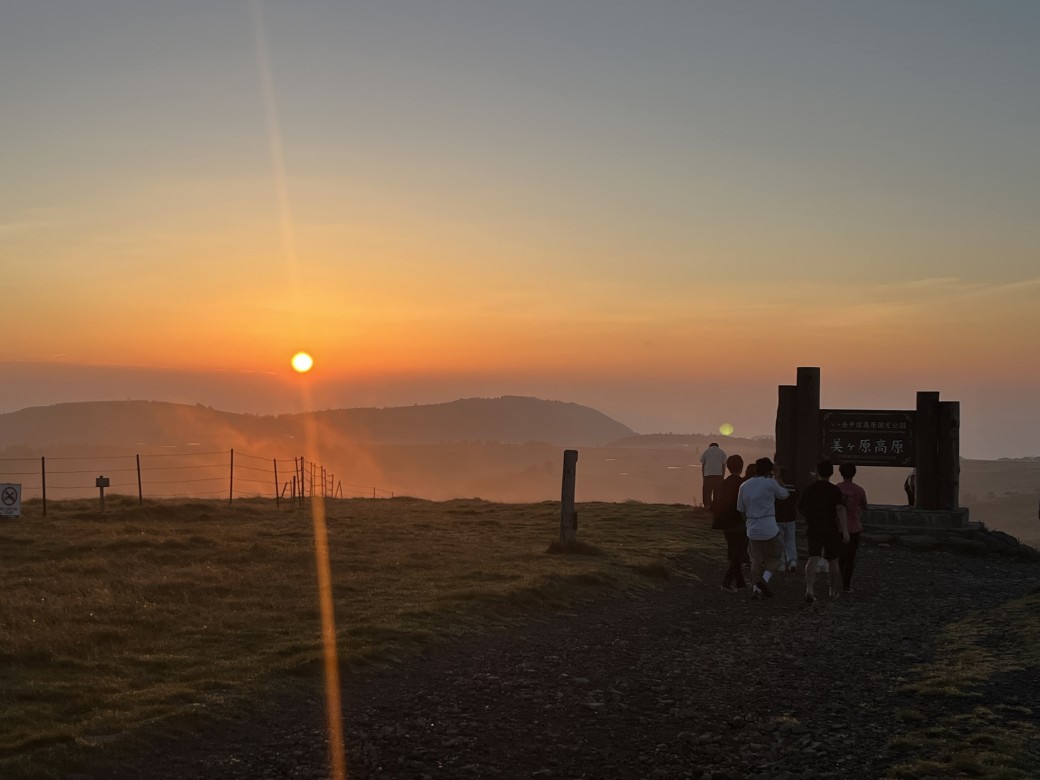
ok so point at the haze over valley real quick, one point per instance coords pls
(498, 449)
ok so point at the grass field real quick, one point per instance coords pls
(156, 617)
(969, 739)
(151, 613)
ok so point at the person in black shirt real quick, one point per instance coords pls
(729, 521)
(823, 506)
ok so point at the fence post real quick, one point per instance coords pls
(231, 480)
(276, 496)
(140, 490)
(43, 482)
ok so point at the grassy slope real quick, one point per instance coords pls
(958, 737)
(154, 612)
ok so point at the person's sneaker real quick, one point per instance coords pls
(728, 588)
(766, 591)
(810, 598)
(756, 595)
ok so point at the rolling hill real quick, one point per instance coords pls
(141, 425)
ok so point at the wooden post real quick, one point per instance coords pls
(926, 449)
(231, 480)
(949, 455)
(43, 482)
(786, 429)
(140, 490)
(568, 515)
(277, 497)
(807, 420)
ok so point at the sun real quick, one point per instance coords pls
(726, 429)
(302, 362)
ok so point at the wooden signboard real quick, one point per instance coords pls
(868, 437)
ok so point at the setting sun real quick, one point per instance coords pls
(302, 362)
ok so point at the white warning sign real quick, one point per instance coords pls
(10, 500)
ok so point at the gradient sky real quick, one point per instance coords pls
(658, 209)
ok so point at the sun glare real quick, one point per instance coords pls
(302, 362)
(726, 429)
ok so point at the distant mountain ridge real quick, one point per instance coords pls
(137, 424)
(515, 419)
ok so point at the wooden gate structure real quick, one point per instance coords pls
(926, 438)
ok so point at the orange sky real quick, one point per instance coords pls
(660, 212)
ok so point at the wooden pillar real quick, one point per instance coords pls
(568, 515)
(926, 449)
(949, 455)
(786, 429)
(807, 420)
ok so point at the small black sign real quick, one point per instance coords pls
(868, 438)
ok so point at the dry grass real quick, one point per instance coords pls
(152, 613)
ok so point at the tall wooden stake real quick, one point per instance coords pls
(568, 515)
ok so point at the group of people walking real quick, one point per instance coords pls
(757, 512)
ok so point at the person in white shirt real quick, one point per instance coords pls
(756, 501)
(713, 473)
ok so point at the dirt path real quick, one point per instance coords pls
(683, 682)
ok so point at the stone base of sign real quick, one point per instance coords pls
(907, 517)
(975, 540)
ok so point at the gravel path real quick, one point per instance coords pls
(685, 681)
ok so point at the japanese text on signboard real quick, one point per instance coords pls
(871, 438)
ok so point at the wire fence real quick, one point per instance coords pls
(227, 474)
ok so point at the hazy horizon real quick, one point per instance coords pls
(658, 210)
(32, 385)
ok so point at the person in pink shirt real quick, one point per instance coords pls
(855, 503)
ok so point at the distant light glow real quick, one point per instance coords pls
(302, 362)
(726, 429)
